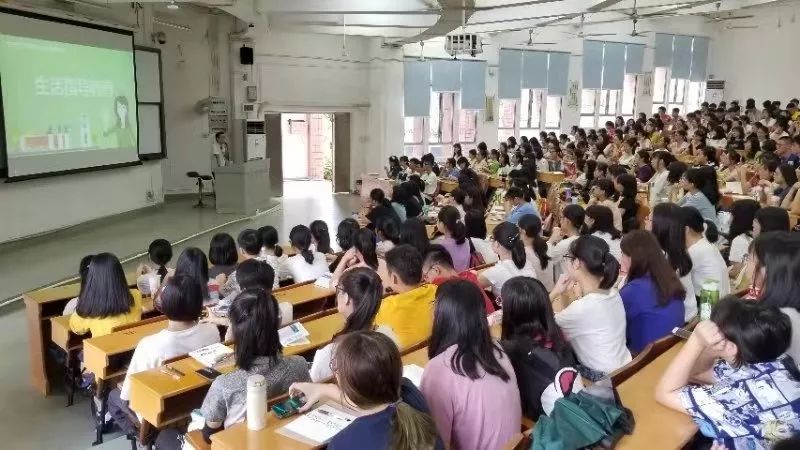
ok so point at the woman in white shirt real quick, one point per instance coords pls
(272, 253)
(476, 234)
(600, 223)
(358, 298)
(743, 212)
(570, 226)
(151, 276)
(595, 323)
(181, 301)
(667, 225)
(305, 265)
(707, 262)
(513, 262)
(717, 139)
(601, 193)
(530, 228)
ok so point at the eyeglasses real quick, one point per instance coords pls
(570, 257)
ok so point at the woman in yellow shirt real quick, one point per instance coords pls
(105, 302)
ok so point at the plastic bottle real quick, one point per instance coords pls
(256, 402)
(709, 296)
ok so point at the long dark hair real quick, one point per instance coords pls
(507, 236)
(460, 319)
(160, 252)
(531, 224)
(595, 256)
(773, 218)
(528, 314)
(255, 320)
(377, 196)
(193, 263)
(269, 239)
(629, 186)
(389, 229)
(779, 253)
(451, 218)
(648, 260)
(83, 270)
(365, 289)
(181, 299)
(345, 232)
(705, 180)
(602, 221)
(319, 229)
(576, 215)
(743, 212)
(105, 292)
(222, 250)
(669, 232)
(300, 237)
(369, 372)
(414, 233)
(475, 224)
(365, 242)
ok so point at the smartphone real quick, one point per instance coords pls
(209, 373)
(681, 333)
(288, 408)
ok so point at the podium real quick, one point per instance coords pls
(243, 188)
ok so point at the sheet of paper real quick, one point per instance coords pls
(211, 354)
(734, 187)
(414, 374)
(291, 333)
(324, 281)
(301, 341)
(321, 424)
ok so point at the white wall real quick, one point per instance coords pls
(759, 63)
(37, 206)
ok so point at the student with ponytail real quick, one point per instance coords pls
(160, 253)
(454, 237)
(306, 265)
(272, 253)
(392, 415)
(600, 223)
(358, 297)
(594, 324)
(513, 262)
(569, 227)
(321, 237)
(530, 228)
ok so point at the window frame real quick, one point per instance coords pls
(427, 144)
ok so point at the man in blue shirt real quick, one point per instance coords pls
(516, 206)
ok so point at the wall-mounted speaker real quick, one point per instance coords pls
(246, 56)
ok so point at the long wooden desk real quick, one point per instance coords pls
(162, 400)
(108, 356)
(654, 422)
(305, 298)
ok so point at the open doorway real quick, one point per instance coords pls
(307, 142)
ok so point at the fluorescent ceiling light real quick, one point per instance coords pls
(172, 5)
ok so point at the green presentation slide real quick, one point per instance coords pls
(60, 97)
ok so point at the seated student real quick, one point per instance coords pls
(344, 238)
(409, 312)
(627, 188)
(390, 411)
(358, 297)
(513, 261)
(414, 233)
(151, 276)
(251, 274)
(181, 301)
(666, 224)
(320, 237)
(707, 261)
(380, 206)
(469, 382)
(594, 324)
(388, 231)
(748, 391)
(254, 321)
(475, 224)
(740, 233)
(362, 254)
(453, 237)
(652, 294)
(250, 245)
(769, 219)
(272, 253)
(83, 269)
(530, 230)
(437, 267)
(570, 225)
(692, 182)
(105, 301)
(306, 265)
(602, 193)
(516, 206)
(532, 340)
(222, 255)
(600, 222)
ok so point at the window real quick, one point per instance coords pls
(604, 107)
(659, 84)
(413, 137)
(628, 96)
(552, 119)
(441, 119)
(506, 119)
(467, 126)
(695, 96)
(530, 117)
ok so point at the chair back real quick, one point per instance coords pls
(628, 370)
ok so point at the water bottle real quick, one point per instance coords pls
(256, 402)
(709, 296)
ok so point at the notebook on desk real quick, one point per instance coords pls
(319, 425)
(734, 187)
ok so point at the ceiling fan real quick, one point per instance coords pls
(634, 32)
(581, 34)
(716, 17)
(531, 42)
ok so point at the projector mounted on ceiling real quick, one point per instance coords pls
(463, 44)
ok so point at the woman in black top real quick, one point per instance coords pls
(380, 207)
(625, 185)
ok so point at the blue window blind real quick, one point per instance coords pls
(699, 59)
(682, 57)
(445, 75)
(613, 65)
(558, 74)
(534, 70)
(662, 56)
(508, 84)
(592, 64)
(634, 55)
(473, 84)
(416, 88)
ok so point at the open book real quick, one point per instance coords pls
(319, 425)
(293, 334)
(211, 355)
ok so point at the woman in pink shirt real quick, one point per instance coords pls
(454, 238)
(469, 382)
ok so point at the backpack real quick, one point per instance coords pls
(475, 257)
(536, 368)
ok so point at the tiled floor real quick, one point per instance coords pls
(30, 421)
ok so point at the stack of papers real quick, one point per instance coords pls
(319, 425)
(324, 281)
(211, 355)
(293, 334)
